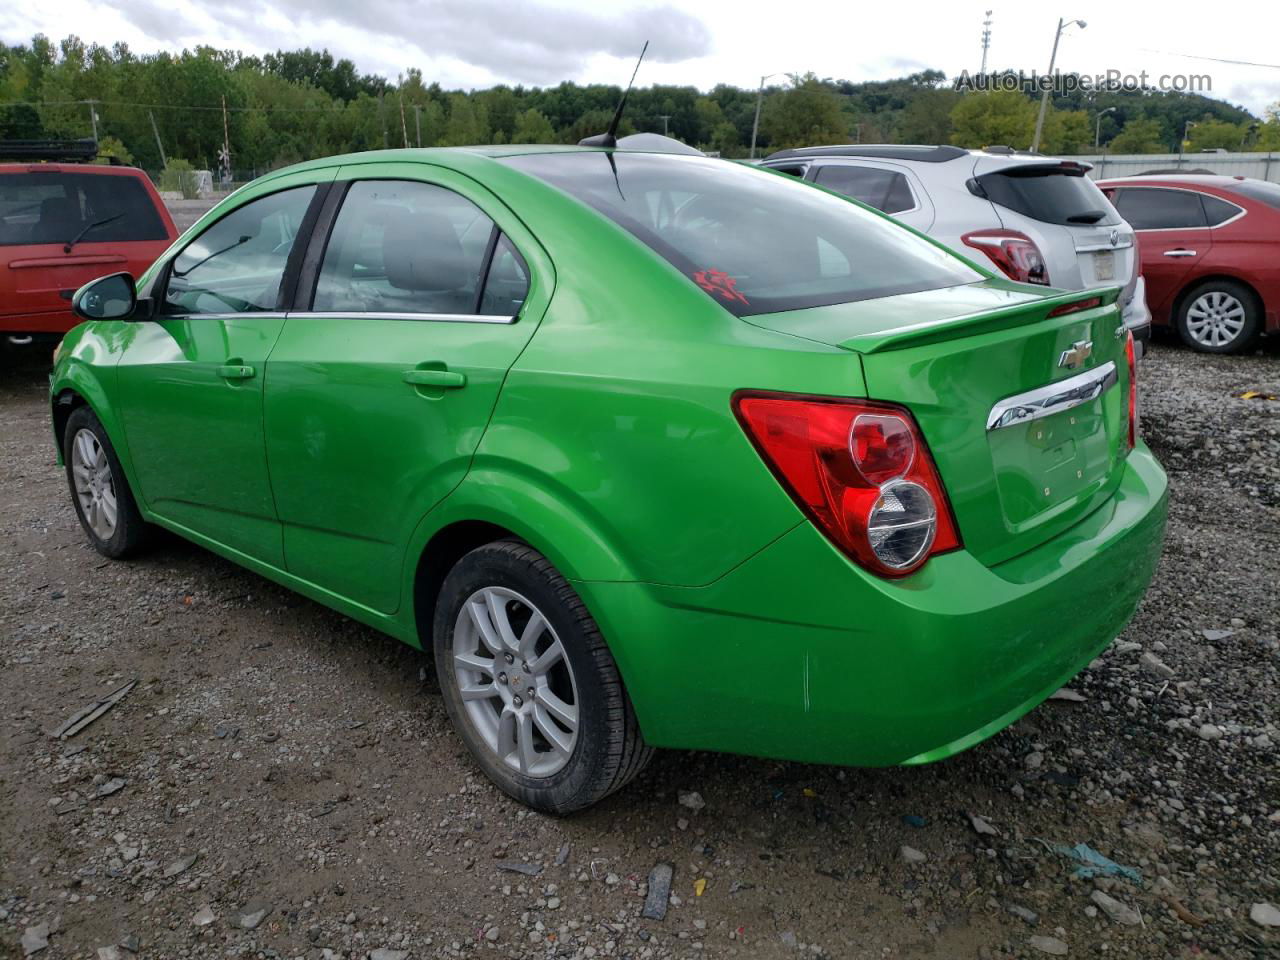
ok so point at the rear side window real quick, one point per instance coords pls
(1049, 194)
(1268, 193)
(1152, 208)
(754, 242)
(1217, 210)
(886, 190)
(57, 207)
(401, 246)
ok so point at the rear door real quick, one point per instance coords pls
(415, 303)
(888, 187)
(111, 220)
(1083, 239)
(1175, 237)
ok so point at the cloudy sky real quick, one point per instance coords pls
(477, 43)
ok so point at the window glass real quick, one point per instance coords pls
(55, 207)
(237, 265)
(1049, 194)
(1217, 210)
(1148, 208)
(885, 190)
(507, 284)
(755, 242)
(399, 246)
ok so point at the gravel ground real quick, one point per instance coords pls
(275, 756)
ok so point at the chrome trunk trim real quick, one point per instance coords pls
(1053, 398)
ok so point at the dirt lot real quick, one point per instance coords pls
(277, 756)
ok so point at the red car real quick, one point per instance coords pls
(1210, 250)
(64, 221)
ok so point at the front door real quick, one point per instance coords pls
(190, 381)
(377, 396)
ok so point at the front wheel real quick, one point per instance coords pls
(99, 490)
(1219, 316)
(530, 684)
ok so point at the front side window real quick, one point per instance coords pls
(56, 207)
(1150, 208)
(238, 264)
(756, 243)
(886, 190)
(401, 246)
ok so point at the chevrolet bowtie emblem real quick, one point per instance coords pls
(1078, 354)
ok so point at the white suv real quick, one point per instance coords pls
(1037, 219)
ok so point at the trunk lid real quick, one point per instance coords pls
(954, 356)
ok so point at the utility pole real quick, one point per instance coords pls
(226, 138)
(1097, 127)
(664, 117)
(417, 122)
(986, 42)
(755, 126)
(1048, 80)
(159, 145)
(404, 127)
(93, 118)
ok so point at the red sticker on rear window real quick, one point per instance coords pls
(719, 283)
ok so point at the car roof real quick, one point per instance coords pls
(96, 169)
(1219, 181)
(924, 154)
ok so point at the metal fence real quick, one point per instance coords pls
(1260, 166)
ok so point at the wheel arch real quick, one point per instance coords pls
(78, 386)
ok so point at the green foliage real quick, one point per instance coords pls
(111, 147)
(808, 113)
(1139, 136)
(179, 176)
(1004, 117)
(293, 105)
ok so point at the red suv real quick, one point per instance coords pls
(64, 221)
(1210, 251)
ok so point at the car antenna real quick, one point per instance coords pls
(609, 139)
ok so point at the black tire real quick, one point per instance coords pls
(1238, 292)
(130, 532)
(609, 750)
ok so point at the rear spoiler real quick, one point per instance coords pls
(988, 321)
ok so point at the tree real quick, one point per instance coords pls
(1139, 136)
(467, 123)
(1068, 132)
(111, 147)
(1003, 117)
(1215, 134)
(1269, 132)
(927, 117)
(533, 127)
(807, 114)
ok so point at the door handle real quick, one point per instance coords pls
(235, 371)
(1180, 253)
(435, 378)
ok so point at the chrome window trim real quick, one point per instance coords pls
(430, 317)
(1053, 398)
(230, 315)
(1153, 186)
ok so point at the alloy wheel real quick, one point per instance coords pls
(95, 487)
(1215, 319)
(515, 681)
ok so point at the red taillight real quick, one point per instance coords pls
(1086, 304)
(1130, 353)
(1013, 252)
(860, 471)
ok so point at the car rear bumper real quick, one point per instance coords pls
(798, 654)
(1135, 313)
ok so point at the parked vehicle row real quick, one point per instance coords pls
(650, 450)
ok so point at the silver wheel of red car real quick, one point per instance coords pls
(1219, 316)
(515, 681)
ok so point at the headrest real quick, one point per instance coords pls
(421, 251)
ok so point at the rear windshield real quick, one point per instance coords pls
(754, 241)
(1050, 195)
(1268, 193)
(55, 207)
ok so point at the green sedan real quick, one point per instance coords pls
(648, 450)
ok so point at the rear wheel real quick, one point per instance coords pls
(1219, 316)
(99, 490)
(530, 684)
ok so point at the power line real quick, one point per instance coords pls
(1192, 56)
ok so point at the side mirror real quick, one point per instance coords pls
(112, 297)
